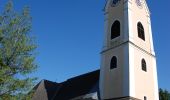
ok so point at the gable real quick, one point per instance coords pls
(45, 90)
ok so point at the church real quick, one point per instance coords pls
(128, 64)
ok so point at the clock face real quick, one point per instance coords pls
(139, 3)
(115, 2)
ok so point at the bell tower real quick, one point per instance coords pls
(128, 63)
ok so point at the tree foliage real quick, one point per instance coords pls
(17, 53)
(164, 95)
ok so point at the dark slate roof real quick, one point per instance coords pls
(72, 88)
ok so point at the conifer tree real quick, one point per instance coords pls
(17, 53)
(164, 94)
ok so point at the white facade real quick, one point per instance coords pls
(128, 79)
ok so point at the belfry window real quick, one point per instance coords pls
(145, 98)
(141, 31)
(115, 30)
(113, 63)
(143, 64)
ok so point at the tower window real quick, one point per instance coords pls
(113, 63)
(144, 65)
(115, 30)
(145, 98)
(141, 31)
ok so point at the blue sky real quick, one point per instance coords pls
(70, 33)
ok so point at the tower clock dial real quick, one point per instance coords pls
(115, 2)
(139, 3)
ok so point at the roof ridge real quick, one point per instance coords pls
(85, 74)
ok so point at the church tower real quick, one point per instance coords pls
(128, 62)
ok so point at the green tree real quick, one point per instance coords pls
(17, 53)
(164, 94)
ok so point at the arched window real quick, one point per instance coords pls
(141, 31)
(113, 63)
(115, 30)
(145, 98)
(144, 67)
